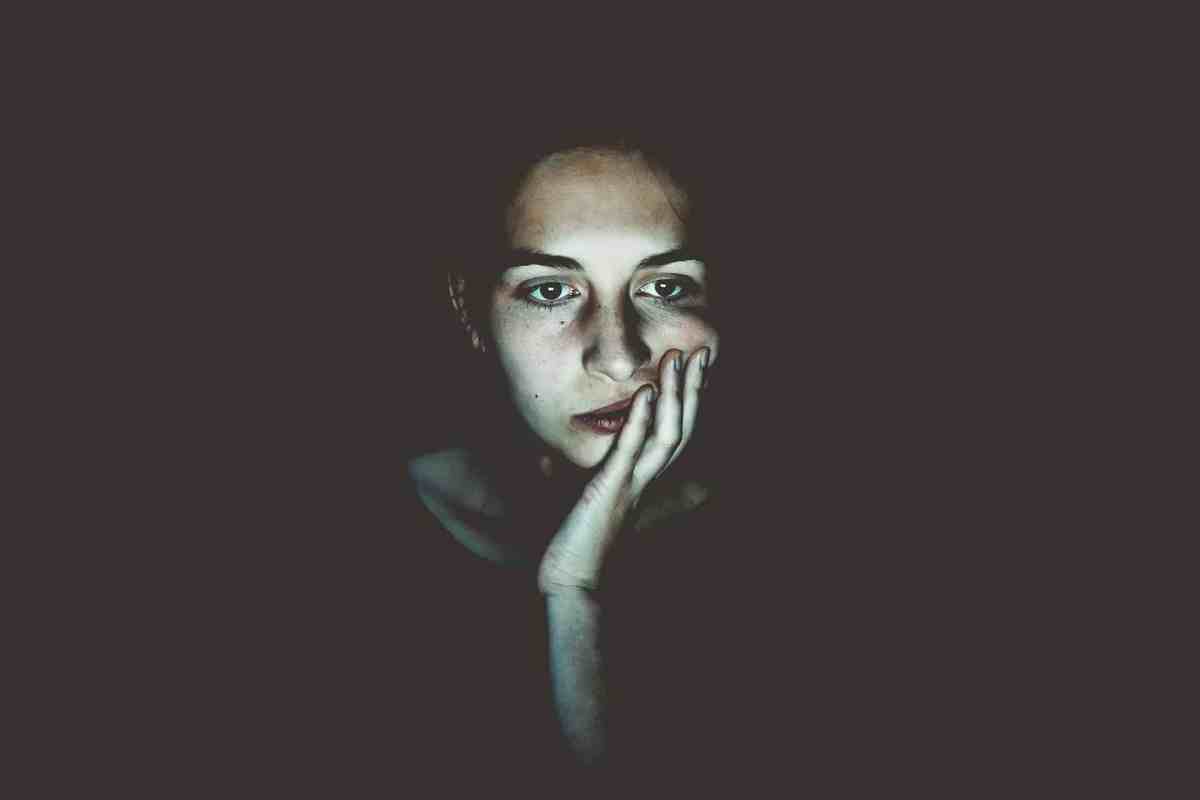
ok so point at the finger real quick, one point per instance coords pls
(668, 418)
(693, 386)
(632, 436)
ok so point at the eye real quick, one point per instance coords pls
(551, 293)
(668, 290)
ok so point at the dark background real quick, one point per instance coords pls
(903, 306)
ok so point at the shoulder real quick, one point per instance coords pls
(456, 478)
(444, 481)
(440, 469)
(449, 485)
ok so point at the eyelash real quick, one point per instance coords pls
(687, 286)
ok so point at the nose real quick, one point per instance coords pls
(615, 348)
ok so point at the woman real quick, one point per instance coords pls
(593, 308)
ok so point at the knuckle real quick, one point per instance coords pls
(666, 435)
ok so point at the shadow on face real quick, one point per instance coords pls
(599, 285)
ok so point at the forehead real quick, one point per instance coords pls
(580, 192)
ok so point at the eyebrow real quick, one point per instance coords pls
(523, 257)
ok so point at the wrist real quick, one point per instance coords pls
(554, 577)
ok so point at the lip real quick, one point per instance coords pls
(587, 420)
(620, 405)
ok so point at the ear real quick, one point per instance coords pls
(457, 285)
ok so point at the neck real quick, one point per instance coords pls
(536, 488)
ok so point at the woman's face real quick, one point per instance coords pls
(599, 287)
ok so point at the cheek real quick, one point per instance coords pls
(534, 355)
(689, 335)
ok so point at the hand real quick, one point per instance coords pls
(653, 436)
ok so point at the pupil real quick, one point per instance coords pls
(551, 291)
(664, 287)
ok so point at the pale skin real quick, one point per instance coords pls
(602, 303)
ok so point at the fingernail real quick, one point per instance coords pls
(675, 361)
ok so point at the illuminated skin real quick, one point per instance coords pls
(600, 300)
(573, 340)
(570, 341)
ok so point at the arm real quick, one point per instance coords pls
(577, 671)
(574, 561)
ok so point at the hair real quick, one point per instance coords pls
(490, 176)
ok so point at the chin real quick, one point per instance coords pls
(587, 455)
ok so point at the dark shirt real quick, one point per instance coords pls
(365, 652)
(670, 626)
(478, 648)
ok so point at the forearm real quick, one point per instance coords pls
(577, 670)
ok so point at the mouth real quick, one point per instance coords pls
(607, 420)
